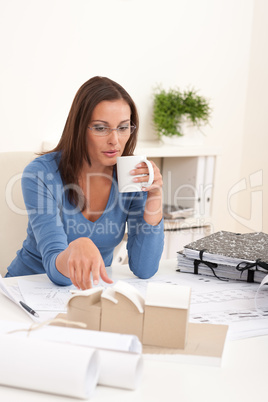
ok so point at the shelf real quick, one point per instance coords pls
(186, 224)
(156, 149)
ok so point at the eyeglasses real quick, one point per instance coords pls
(102, 131)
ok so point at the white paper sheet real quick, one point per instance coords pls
(13, 293)
(45, 296)
(8, 292)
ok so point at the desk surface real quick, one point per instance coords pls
(241, 377)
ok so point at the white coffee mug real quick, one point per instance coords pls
(125, 180)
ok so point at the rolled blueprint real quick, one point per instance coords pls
(74, 336)
(48, 367)
(120, 357)
(120, 369)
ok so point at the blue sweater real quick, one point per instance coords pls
(54, 222)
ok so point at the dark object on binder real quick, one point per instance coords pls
(227, 255)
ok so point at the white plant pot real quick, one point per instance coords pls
(191, 135)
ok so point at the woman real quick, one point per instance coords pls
(76, 214)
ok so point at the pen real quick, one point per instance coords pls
(29, 309)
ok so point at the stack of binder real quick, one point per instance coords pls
(227, 255)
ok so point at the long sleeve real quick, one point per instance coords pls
(42, 197)
(145, 242)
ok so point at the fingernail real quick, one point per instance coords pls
(132, 172)
(95, 282)
(135, 179)
(139, 165)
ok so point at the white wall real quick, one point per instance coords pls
(50, 47)
(252, 212)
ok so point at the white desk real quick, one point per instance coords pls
(241, 377)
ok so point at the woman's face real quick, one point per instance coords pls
(103, 150)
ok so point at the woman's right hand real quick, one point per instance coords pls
(82, 263)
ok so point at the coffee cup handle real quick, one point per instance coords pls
(151, 173)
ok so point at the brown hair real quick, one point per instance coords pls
(73, 142)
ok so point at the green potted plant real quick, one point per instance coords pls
(174, 111)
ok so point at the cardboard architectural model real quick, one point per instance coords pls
(85, 306)
(166, 315)
(122, 309)
(159, 319)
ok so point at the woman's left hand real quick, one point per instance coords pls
(142, 168)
